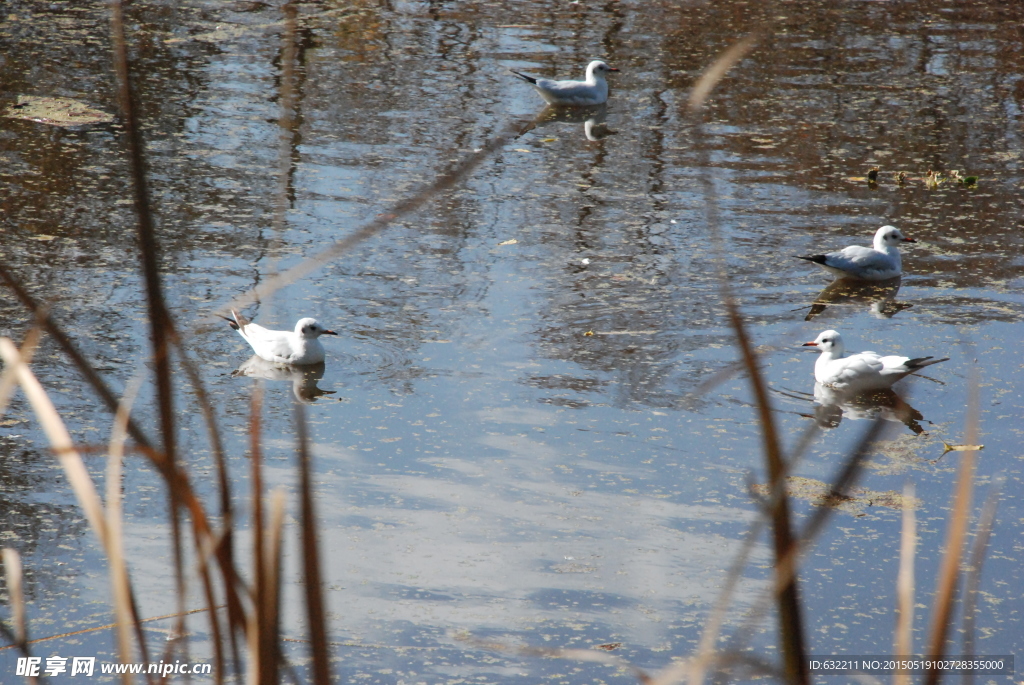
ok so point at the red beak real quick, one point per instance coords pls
(909, 240)
(612, 69)
(810, 344)
(329, 333)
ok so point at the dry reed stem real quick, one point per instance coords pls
(9, 378)
(844, 480)
(84, 367)
(956, 533)
(266, 655)
(787, 593)
(311, 556)
(711, 76)
(272, 576)
(71, 461)
(12, 571)
(980, 548)
(120, 586)
(60, 441)
(444, 181)
(903, 640)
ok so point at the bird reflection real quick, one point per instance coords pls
(592, 118)
(304, 378)
(834, 404)
(880, 295)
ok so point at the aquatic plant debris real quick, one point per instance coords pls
(63, 112)
(960, 448)
(854, 501)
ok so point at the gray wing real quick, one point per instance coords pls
(857, 259)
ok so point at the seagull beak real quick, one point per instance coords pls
(810, 344)
(909, 240)
(328, 333)
(612, 69)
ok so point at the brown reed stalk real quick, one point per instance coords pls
(272, 581)
(443, 181)
(12, 572)
(159, 316)
(311, 556)
(71, 461)
(120, 587)
(787, 592)
(959, 515)
(87, 370)
(903, 640)
(978, 552)
(266, 655)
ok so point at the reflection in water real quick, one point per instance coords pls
(833, 405)
(304, 378)
(880, 295)
(592, 118)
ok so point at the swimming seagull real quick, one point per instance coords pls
(299, 347)
(863, 371)
(869, 263)
(592, 91)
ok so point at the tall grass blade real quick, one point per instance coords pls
(444, 181)
(90, 374)
(120, 587)
(159, 317)
(311, 557)
(13, 575)
(949, 571)
(980, 548)
(903, 640)
(272, 578)
(787, 592)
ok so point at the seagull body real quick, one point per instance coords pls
(592, 91)
(862, 371)
(876, 263)
(299, 347)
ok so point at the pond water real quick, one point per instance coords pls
(515, 444)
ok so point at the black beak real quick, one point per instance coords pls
(329, 333)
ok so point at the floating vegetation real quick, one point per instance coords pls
(63, 112)
(959, 448)
(853, 501)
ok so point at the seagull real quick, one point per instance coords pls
(298, 347)
(863, 371)
(875, 263)
(592, 91)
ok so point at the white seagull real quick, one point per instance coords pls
(592, 91)
(874, 263)
(863, 371)
(299, 347)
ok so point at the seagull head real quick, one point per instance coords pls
(827, 341)
(890, 236)
(598, 69)
(311, 328)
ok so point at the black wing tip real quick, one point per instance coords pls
(237, 322)
(921, 362)
(816, 258)
(529, 79)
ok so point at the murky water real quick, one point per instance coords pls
(511, 448)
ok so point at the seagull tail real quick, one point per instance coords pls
(816, 258)
(529, 79)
